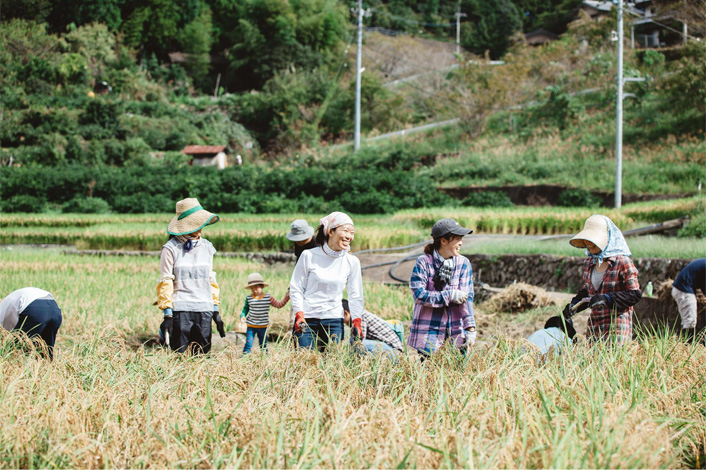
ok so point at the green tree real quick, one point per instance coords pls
(196, 42)
(276, 35)
(686, 86)
(153, 26)
(559, 16)
(492, 24)
(81, 12)
(95, 43)
(35, 10)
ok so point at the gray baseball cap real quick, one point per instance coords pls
(449, 226)
(300, 231)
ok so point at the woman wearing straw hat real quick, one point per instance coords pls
(610, 286)
(187, 291)
(317, 285)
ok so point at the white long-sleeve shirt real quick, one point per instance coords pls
(318, 281)
(15, 303)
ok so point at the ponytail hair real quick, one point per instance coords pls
(321, 236)
(436, 244)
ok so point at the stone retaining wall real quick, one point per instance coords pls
(559, 273)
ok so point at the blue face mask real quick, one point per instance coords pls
(189, 244)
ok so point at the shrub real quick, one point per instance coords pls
(488, 199)
(141, 203)
(695, 228)
(24, 203)
(578, 197)
(86, 205)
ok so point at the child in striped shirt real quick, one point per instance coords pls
(257, 311)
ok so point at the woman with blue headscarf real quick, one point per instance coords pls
(610, 286)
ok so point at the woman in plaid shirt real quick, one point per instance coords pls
(442, 288)
(610, 286)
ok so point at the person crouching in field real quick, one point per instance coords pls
(610, 286)
(187, 291)
(318, 281)
(377, 336)
(689, 279)
(557, 333)
(442, 288)
(33, 311)
(257, 311)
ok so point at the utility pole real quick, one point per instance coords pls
(458, 29)
(619, 114)
(358, 62)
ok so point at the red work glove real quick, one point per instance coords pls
(356, 330)
(299, 321)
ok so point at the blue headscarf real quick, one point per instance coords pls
(617, 246)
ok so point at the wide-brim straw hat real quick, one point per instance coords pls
(255, 279)
(595, 230)
(190, 217)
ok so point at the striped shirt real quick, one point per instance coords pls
(257, 311)
(374, 327)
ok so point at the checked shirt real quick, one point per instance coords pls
(435, 318)
(374, 327)
(608, 322)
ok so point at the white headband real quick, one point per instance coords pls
(335, 219)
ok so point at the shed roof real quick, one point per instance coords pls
(203, 149)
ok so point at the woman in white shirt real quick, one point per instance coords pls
(317, 285)
(33, 311)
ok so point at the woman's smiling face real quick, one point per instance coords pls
(451, 247)
(340, 238)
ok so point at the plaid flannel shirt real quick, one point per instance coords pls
(435, 318)
(375, 328)
(608, 322)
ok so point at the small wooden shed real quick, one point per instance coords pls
(207, 155)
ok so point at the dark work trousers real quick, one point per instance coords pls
(191, 328)
(41, 318)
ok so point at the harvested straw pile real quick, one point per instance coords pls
(518, 298)
(663, 290)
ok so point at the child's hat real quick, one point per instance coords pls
(255, 279)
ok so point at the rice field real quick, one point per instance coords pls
(104, 403)
(266, 232)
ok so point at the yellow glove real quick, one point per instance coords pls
(165, 291)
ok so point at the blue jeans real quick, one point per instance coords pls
(319, 333)
(261, 334)
(372, 346)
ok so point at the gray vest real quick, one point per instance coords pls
(192, 270)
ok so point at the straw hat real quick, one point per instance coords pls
(190, 217)
(595, 230)
(255, 279)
